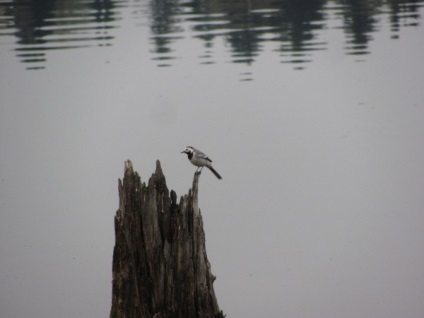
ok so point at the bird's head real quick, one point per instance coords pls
(187, 150)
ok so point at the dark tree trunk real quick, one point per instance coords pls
(160, 266)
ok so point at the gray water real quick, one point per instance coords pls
(312, 112)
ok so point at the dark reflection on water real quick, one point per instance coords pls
(293, 28)
(43, 25)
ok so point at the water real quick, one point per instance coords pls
(292, 31)
(311, 111)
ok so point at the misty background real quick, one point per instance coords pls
(312, 112)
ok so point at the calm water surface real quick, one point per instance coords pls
(311, 110)
(292, 30)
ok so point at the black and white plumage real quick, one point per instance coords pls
(200, 160)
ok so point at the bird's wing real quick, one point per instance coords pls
(202, 155)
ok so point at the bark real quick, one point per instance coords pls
(160, 266)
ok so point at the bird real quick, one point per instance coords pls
(200, 160)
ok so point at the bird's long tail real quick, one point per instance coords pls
(215, 173)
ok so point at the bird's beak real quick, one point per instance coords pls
(184, 151)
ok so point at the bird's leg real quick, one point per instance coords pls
(198, 171)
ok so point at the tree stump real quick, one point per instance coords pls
(160, 266)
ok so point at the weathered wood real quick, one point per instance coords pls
(160, 266)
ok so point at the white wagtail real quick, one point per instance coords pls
(199, 159)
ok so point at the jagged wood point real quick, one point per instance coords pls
(160, 267)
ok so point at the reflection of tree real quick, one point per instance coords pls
(36, 21)
(299, 20)
(244, 40)
(403, 10)
(29, 17)
(164, 25)
(247, 24)
(103, 10)
(359, 20)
